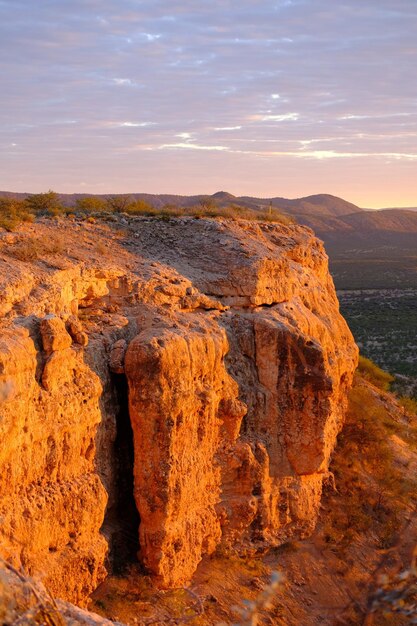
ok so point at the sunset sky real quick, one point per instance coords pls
(260, 97)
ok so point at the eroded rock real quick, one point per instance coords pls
(54, 334)
(117, 356)
(237, 363)
(184, 409)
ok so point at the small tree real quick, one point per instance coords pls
(119, 203)
(47, 203)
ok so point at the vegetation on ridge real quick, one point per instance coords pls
(15, 211)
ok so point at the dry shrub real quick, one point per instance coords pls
(374, 374)
(140, 207)
(409, 404)
(236, 212)
(394, 601)
(251, 613)
(33, 248)
(101, 248)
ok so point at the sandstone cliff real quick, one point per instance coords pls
(200, 366)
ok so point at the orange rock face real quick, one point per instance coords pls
(184, 407)
(239, 464)
(51, 499)
(237, 363)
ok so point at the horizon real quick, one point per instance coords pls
(187, 195)
(174, 97)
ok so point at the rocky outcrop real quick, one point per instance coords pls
(237, 364)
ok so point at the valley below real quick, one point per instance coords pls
(384, 324)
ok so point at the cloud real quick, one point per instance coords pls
(228, 128)
(192, 146)
(276, 71)
(134, 124)
(285, 117)
(375, 117)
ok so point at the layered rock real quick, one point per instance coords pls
(52, 501)
(237, 362)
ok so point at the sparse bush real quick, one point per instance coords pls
(23, 601)
(207, 203)
(101, 248)
(374, 374)
(252, 611)
(234, 211)
(13, 212)
(274, 215)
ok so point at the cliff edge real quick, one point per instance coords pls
(181, 381)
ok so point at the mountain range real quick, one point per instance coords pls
(368, 248)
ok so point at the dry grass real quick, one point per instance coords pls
(229, 589)
(232, 212)
(235, 212)
(24, 602)
(374, 374)
(33, 249)
(13, 212)
(371, 484)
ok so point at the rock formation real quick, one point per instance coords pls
(237, 364)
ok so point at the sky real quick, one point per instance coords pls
(255, 97)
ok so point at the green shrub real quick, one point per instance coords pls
(13, 212)
(140, 207)
(91, 204)
(47, 203)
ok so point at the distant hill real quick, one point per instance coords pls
(320, 204)
(368, 248)
(363, 223)
(402, 208)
